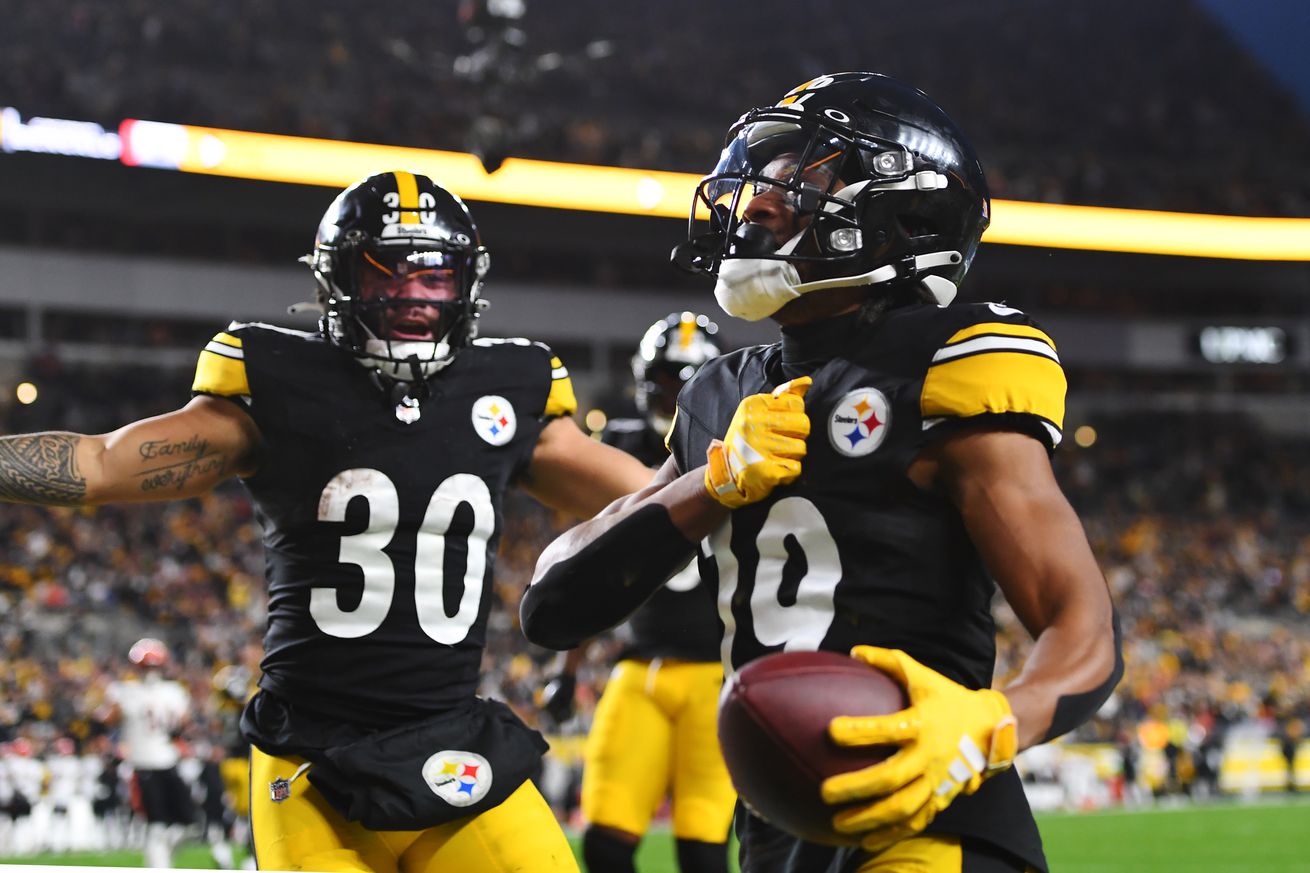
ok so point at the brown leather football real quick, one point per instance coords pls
(773, 728)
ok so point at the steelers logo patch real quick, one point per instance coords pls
(859, 422)
(457, 777)
(493, 419)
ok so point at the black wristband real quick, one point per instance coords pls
(604, 582)
(1072, 710)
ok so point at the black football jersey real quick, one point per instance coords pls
(380, 521)
(680, 620)
(853, 552)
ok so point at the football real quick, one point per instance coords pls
(773, 728)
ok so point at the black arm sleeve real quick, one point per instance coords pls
(1072, 710)
(606, 581)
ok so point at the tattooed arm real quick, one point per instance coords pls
(180, 454)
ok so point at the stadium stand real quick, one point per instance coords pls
(1114, 103)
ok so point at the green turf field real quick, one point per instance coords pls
(1272, 836)
(1269, 837)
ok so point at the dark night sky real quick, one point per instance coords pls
(1276, 32)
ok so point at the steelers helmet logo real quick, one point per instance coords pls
(493, 419)
(859, 422)
(457, 777)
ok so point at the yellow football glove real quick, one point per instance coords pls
(951, 739)
(762, 448)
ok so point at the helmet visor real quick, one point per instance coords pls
(802, 165)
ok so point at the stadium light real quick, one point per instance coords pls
(334, 164)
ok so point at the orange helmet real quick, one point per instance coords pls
(148, 652)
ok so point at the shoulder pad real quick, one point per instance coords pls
(992, 359)
(560, 401)
(221, 367)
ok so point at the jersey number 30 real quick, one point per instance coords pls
(365, 550)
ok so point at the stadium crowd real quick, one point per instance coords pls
(1134, 105)
(1202, 526)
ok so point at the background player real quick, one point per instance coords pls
(653, 734)
(150, 711)
(885, 462)
(377, 451)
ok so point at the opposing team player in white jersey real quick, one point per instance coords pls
(67, 801)
(150, 711)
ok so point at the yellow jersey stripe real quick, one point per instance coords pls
(407, 188)
(561, 400)
(227, 339)
(221, 374)
(226, 351)
(985, 344)
(1000, 328)
(673, 425)
(995, 382)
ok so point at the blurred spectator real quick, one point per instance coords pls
(1148, 105)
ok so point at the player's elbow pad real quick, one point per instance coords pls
(604, 582)
(1072, 710)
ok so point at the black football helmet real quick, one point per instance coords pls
(670, 353)
(395, 223)
(892, 190)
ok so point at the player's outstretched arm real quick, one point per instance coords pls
(596, 574)
(179, 454)
(575, 473)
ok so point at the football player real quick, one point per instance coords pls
(149, 710)
(653, 735)
(865, 484)
(377, 451)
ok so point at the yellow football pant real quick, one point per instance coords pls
(305, 833)
(235, 773)
(655, 735)
(926, 853)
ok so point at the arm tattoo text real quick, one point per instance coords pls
(174, 463)
(41, 468)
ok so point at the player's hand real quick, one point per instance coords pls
(558, 697)
(762, 448)
(951, 739)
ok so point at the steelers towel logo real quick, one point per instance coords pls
(459, 778)
(493, 419)
(858, 423)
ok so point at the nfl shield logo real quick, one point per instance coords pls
(279, 790)
(408, 411)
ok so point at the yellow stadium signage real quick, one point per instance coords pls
(650, 192)
(334, 164)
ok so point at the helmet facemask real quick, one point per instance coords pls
(399, 282)
(866, 209)
(376, 328)
(670, 353)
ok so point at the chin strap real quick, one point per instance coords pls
(906, 269)
(396, 392)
